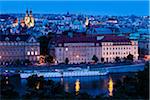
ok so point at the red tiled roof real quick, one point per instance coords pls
(91, 38)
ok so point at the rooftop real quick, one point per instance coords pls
(92, 38)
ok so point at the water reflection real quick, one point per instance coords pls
(61, 81)
(66, 87)
(77, 86)
(38, 86)
(94, 85)
(110, 86)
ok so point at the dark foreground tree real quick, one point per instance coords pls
(43, 45)
(49, 59)
(95, 59)
(102, 60)
(66, 61)
(130, 57)
(117, 60)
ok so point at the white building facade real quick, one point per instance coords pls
(82, 49)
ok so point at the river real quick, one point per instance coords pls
(93, 85)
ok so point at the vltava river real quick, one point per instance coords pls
(93, 85)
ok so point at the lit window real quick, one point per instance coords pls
(36, 53)
(32, 53)
(66, 49)
(28, 53)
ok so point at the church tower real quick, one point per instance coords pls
(29, 20)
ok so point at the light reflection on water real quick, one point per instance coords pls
(110, 86)
(93, 85)
(77, 86)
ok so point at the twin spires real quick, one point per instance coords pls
(27, 12)
(29, 19)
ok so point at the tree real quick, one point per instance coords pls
(49, 59)
(102, 59)
(66, 61)
(43, 45)
(95, 59)
(27, 62)
(130, 57)
(124, 60)
(117, 59)
(17, 62)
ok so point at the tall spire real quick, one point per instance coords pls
(31, 12)
(27, 12)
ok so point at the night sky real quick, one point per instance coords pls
(79, 7)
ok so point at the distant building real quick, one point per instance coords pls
(18, 47)
(29, 19)
(81, 49)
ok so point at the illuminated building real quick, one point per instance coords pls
(22, 22)
(18, 47)
(29, 19)
(81, 48)
(87, 22)
(15, 23)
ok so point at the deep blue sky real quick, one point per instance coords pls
(80, 7)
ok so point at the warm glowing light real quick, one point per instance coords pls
(77, 56)
(0, 57)
(87, 21)
(6, 82)
(66, 49)
(42, 59)
(36, 53)
(77, 86)
(132, 43)
(110, 87)
(32, 53)
(28, 53)
(38, 86)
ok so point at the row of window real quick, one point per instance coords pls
(16, 44)
(32, 53)
(11, 49)
(116, 53)
(116, 43)
(77, 59)
(11, 53)
(118, 48)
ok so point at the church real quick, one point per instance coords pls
(29, 19)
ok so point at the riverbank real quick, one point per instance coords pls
(90, 71)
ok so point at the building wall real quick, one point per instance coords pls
(83, 52)
(32, 51)
(11, 51)
(110, 51)
(77, 52)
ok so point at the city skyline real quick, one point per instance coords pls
(139, 8)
